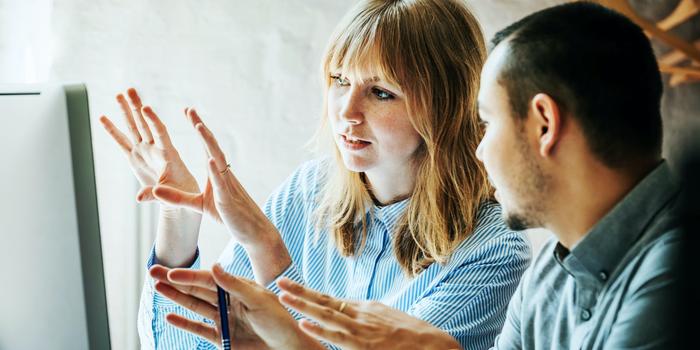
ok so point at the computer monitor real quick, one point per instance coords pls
(52, 292)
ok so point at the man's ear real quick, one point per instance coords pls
(547, 119)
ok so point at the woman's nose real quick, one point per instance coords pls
(352, 110)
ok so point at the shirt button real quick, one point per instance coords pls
(603, 275)
(585, 315)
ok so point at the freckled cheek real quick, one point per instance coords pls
(398, 138)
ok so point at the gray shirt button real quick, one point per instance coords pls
(585, 315)
(603, 275)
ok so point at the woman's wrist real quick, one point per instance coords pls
(268, 256)
(177, 236)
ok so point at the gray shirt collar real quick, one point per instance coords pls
(597, 255)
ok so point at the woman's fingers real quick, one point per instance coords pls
(322, 314)
(145, 194)
(209, 141)
(129, 118)
(117, 135)
(162, 138)
(140, 121)
(339, 338)
(217, 178)
(178, 198)
(195, 327)
(310, 295)
(192, 116)
(189, 302)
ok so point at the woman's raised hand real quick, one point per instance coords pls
(152, 156)
(225, 200)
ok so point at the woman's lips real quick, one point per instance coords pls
(354, 144)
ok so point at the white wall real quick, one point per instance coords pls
(250, 67)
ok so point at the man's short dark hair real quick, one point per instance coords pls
(598, 66)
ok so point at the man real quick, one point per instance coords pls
(570, 99)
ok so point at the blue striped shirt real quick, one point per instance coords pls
(467, 297)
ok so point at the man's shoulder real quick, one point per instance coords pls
(658, 258)
(545, 272)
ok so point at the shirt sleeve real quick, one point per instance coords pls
(648, 318)
(510, 337)
(288, 209)
(470, 304)
(154, 331)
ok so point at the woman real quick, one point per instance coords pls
(401, 215)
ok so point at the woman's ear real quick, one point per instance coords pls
(547, 118)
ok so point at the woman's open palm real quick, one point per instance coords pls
(151, 154)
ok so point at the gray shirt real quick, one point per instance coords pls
(615, 289)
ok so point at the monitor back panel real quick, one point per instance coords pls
(45, 300)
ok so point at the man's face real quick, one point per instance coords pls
(509, 151)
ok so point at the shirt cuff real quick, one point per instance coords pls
(152, 260)
(293, 274)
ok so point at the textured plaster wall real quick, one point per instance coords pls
(252, 70)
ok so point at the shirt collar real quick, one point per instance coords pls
(597, 255)
(390, 214)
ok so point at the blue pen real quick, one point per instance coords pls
(223, 314)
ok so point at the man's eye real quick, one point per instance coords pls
(484, 124)
(339, 80)
(381, 94)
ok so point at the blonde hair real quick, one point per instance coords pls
(433, 50)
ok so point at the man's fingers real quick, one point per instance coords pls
(117, 135)
(189, 302)
(195, 327)
(144, 130)
(159, 272)
(208, 294)
(313, 296)
(247, 292)
(178, 198)
(324, 315)
(199, 278)
(129, 118)
(339, 338)
(162, 138)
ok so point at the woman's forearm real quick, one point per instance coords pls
(268, 255)
(177, 236)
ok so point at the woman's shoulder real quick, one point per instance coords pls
(306, 180)
(491, 236)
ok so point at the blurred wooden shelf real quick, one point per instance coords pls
(682, 63)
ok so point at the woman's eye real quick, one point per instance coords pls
(381, 94)
(339, 80)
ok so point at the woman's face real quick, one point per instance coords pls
(370, 124)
